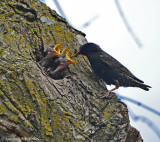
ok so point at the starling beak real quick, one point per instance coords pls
(56, 49)
(65, 50)
(70, 61)
(63, 61)
(109, 69)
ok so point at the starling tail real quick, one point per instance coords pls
(144, 87)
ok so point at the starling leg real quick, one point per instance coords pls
(107, 94)
(117, 86)
(112, 90)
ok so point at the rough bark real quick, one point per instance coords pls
(36, 107)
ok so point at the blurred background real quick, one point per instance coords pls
(130, 32)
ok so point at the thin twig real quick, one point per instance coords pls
(139, 104)
(61, 10)
(86, 24)
(130, 30)
(62, 13)
(145, 120)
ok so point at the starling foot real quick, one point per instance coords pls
(107, 94)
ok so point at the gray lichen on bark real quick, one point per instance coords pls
(34, 106)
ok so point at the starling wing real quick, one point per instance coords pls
(116, 65)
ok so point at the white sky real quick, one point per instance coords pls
(110, 33)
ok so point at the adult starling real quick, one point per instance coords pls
(109, 69)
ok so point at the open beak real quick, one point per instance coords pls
(64, 63)
(70, 61)
(56, 49)
(65, 50)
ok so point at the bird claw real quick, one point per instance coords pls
(107, 95)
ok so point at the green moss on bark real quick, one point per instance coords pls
(41, 108)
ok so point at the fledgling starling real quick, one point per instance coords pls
(109, 69)
(56, 60)
(51, 56)
(61, 62)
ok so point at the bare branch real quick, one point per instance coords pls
(88, 23)
(130, 30)
(60, 10)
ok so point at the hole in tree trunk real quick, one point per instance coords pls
(50, 64)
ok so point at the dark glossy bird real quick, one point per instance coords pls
(109, 69)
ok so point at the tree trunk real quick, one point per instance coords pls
(37, 107)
